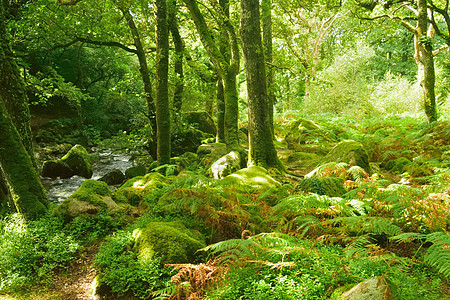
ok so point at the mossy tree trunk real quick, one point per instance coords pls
(22, 178)
(261, 148)
(178, 58)
(266, 12)
(143, 67)
(227, 69)
(426, 59)
(220, 112)
(162, 92)
(12, 88)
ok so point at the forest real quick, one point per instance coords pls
(214, 149)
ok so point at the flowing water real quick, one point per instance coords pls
(60, 189)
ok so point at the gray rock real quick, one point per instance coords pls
(113, 177)
(375, 288)
(225, 165)
(351, 152)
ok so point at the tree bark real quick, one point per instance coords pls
(12, 89)
(220, 112)
(162, 93)
(266, 11)
(178, 58)
(22, 178)
(426, 59)
(261, 148)
(143, 67)
(227, 69)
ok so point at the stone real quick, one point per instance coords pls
(188, 141)
(135, 189)
(351, 152)
(135, 171)
(375, 288)
(92, 197)
(254, 176)
(75, 162)
(113, 177)
(78, 160)
(56, 168)
(171, 241)
(187, 161)
(225, 165)
(307, 132)
(201, 120)
(397, 166)
(209, 153)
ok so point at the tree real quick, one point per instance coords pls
(262, 151)
(404, 12)
(162, 94)
(227, 69)
(16, 162)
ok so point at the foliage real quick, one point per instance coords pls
(123, 273)
(31, 250)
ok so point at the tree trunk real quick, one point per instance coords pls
(22, 178)
(178, 59)
(220, 112)
(162, 93)
(143, 67)
(261, 148)
(12, 89)
(266, 10)
(427, 60)
(227, 69)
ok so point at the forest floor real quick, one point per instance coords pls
(74, 282)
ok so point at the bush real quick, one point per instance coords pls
(31, 250)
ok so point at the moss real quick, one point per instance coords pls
(135, 188)
(90, 198)
(171, 241)
(397, 166)
(254, 176)
(351, 152)
(329, 186)
(307, 132)
(135, 171)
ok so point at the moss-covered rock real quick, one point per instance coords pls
(307, 132)
(201, 120)
(254, 176)
(171, 241)
(113, 177)
(351, 152)
(56, 168)
(134, 189)
(92, 197)
(75, 162)
(188, 141)
(209, 153)
(187, 161)
(375, 288)
(329, 186)
(225, 165)
(397, 166)
(135, 171)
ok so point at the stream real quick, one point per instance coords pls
(59, 189)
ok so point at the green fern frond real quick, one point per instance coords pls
(438, 255)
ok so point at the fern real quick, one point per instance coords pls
(438, 254)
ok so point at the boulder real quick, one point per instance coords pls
(92, 197)
(397, 166)
(307, 132)
(375, 288)
(135, 171)
(351, 152)
(142, 160)
(187, 161)
(209, 153)
(330, 186)
(113, 177)
(56, 168)
(171, 241)
(135, 189)
(225, 165)
(188, 141)
(254, 176)
(202, 120)
(78, 161)
(75, 162)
